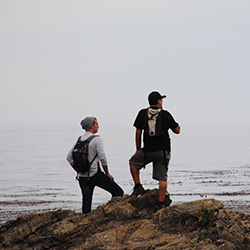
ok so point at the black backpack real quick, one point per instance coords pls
(80, 155)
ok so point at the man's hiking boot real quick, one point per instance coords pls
(159, 206)
(167, 200)
(138, 190)
(164, 204)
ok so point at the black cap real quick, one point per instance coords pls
(154, 96)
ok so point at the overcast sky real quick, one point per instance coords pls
(63, 60)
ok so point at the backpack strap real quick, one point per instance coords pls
(89, 139)
(165, 161)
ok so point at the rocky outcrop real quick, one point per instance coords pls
(130, 223)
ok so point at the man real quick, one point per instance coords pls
(94, 177)
(155, 122)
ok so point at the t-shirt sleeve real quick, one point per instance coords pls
(172, 123)
(139, 120)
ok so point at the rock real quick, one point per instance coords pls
(185, 216)
(130, 223)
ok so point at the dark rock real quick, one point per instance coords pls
(130, 223)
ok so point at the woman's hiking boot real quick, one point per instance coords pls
(138, 190)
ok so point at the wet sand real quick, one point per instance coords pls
(13, 209)
(230, 186)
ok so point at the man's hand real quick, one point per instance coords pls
(110, 177)
(177, 130)
(105, 168)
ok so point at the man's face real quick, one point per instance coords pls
(160, 103)
(95, 127)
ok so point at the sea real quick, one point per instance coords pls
(206, 162)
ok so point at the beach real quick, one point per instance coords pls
(206, 162)
(36, 201)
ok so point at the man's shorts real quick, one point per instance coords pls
(160, 165)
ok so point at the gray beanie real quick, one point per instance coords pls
(87, 122)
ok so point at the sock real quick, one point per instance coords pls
(137, 185)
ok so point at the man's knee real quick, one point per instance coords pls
(163, 184)
(120, 193)
(133, 168)
(117, 191)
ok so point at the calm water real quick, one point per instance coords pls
(207, 162)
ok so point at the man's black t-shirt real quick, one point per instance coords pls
(152, 143)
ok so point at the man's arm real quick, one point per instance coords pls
(138, 138)
(177, 130)
(105, 168)
(102, 156)
(69, 156)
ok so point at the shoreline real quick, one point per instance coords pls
(11, 210)
(229, 186)
(130, 222)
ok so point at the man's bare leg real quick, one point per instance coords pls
(135, 174)
(162, 190)
(138, 188)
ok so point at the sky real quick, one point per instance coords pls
(61, 61)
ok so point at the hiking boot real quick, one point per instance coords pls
(167, 200)
(138, 190)
(159, 206)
